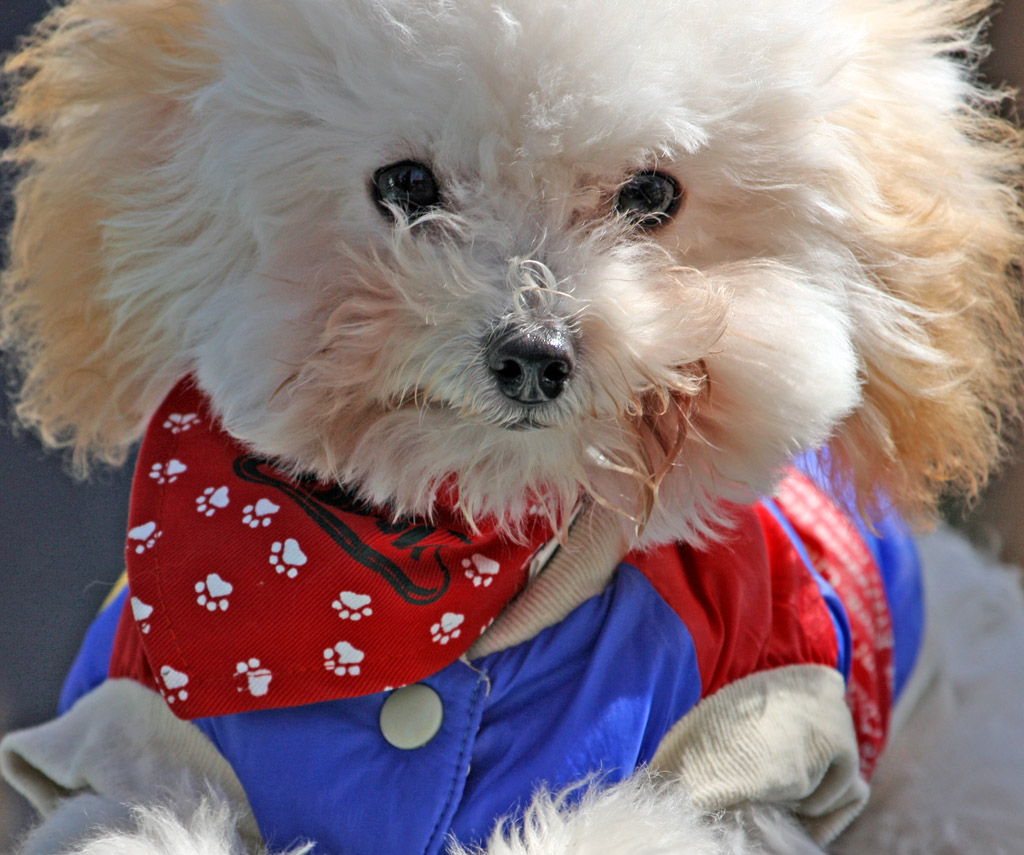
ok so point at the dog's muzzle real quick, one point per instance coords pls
(531, 365)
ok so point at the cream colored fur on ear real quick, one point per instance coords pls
(936, 216)
(98, 106)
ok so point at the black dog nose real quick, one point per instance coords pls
(532, 366)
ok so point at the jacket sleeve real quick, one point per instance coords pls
(120, 741)
(784, 737)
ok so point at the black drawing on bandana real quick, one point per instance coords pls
(409, 535)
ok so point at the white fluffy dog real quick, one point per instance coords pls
(591, 267)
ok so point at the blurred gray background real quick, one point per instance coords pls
(61, 546)
(61, 542)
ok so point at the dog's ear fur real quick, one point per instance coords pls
(94, 96)
(935, 217)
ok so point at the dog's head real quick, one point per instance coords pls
(644, 252)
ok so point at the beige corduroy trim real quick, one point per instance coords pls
(579, 570)
(782, 737)
(121, 741)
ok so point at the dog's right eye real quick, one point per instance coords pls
(649, 199)
(408, 186)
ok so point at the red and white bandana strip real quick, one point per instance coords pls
(843, 558)
(251, 589)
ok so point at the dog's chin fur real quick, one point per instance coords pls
(195, 197)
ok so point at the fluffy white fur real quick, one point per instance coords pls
(194, 196)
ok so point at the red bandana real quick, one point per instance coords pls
(251, 589)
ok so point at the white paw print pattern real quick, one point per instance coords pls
(212, 500)
(180, 422)
(257, 678)
(287, 557)
(259, 514)
(343, 659)
(480, 569)
(447, 628)
(141, 612)
(174, 683)
(352, 606)
(143, 537)
(213, 593)
(167, 473)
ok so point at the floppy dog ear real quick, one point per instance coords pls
(95, 96)
(936, 224)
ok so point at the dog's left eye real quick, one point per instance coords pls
(649, 198)
(408, 186)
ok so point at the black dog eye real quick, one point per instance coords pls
(649, 198)
(408, 185)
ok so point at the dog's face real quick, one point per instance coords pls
(536, 247)
(538, 251)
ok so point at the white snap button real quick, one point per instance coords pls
(411, 716)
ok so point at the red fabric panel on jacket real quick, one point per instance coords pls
(749, 601)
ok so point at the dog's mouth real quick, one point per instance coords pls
(662, 411)
(517, 420)
(525, 423)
